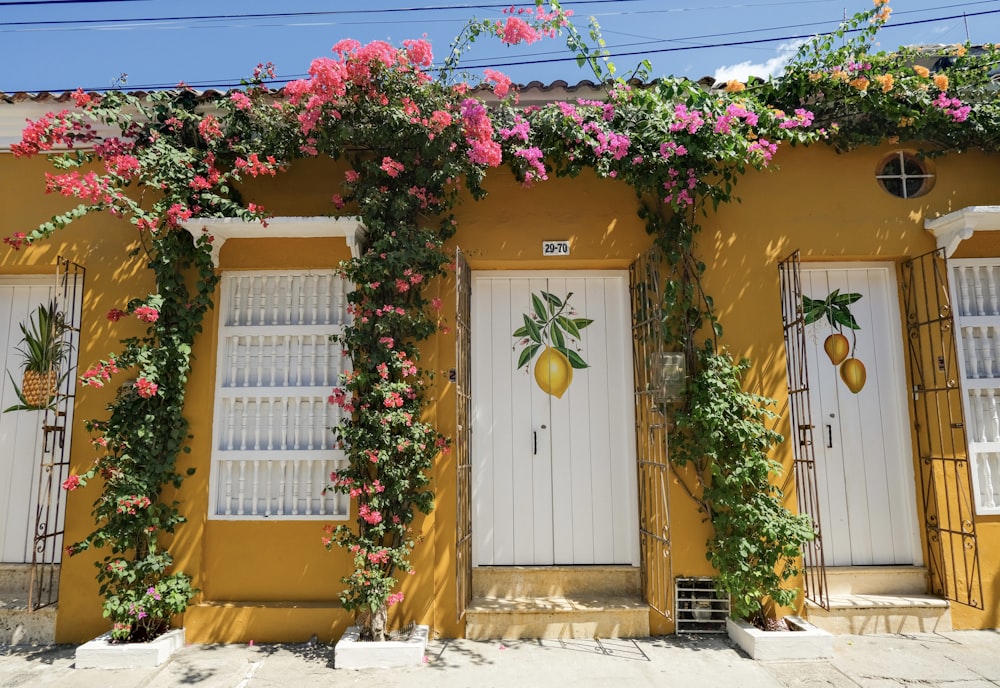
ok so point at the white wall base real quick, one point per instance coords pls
(100, 653)
(351, 653)
(806, 642)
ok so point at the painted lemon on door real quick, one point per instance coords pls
(553, 372)
(551, 331)
(836, 309)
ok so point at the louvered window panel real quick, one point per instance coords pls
(273, 443)
(975, 286)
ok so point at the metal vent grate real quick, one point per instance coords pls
(700, 607)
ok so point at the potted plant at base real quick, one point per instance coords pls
(43, 349)
(755, 547)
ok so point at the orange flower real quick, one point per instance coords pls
(815, 76)
(922, 71)
(879, 3)
(883, 15)
(840, 74)
(960, 51)
(905, 122)
(734, 86)
(861, 83)
(941, 81)
(887, 81)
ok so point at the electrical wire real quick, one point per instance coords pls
(611, 53)
(387, 10)
(62, 2)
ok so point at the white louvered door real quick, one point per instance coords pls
(862, 443)
(554, 479)
(20, 431)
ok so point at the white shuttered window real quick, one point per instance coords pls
(274, 448)
(975, 287)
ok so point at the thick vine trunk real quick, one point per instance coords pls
(372, 625)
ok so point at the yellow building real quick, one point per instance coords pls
(903, 476)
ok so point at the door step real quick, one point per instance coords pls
(880, 599)
(556, 602)
(18, 626)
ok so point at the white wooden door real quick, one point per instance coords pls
(553, 464)
(20, 431)
(863, 448)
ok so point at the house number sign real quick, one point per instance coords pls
(555, 248)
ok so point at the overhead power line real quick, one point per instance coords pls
(62, 2)
(278, 15)
(611, 54)
(371, 11)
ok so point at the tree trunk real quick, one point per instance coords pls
(372, 625)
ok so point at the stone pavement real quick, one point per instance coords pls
(962, 659)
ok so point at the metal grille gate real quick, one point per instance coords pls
(946, 495)
(651, 434)
(50, 511)
(463, 434)
(803, 449)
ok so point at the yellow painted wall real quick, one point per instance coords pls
(273, 581)
(100, 244)
(829, 206)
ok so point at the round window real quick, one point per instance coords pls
(905, 175)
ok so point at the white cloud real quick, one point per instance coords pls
(772, 67)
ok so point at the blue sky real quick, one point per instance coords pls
(59, 45)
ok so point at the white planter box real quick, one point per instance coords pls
(804, 642)
(351, 653)
(100, 653)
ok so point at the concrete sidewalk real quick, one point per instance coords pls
(969, 659)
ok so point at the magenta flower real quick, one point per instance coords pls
(146, 388)
(147, 314)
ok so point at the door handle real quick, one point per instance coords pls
(829, 436)
(534, 442)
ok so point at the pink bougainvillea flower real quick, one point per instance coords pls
(515, 30)
(240, 100)
(501, 82)
(146, 388)
(391, 167)
(210, 128)
(147, 314)
(419, 53)
(177, 214)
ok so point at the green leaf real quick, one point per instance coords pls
(568, 325)
(553, 300)
(844, 317)
(520, 332)
(527, 355)
(539, 307)
(581, 322)
(557, 336)
(574, 359)
(533, 331)
(814, 314)
(847, 299)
